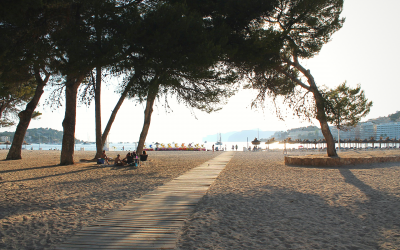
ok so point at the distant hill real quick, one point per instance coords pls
(40, 135)
(241, 136)
(385, 119)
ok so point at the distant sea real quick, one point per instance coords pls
(132, 146)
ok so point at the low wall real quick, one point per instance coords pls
(319, 161)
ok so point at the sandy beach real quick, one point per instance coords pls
(259, 203)
(256, 203)
(42, 204)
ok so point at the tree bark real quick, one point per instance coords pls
(147, 117)
(68, 141)
(25, 117)
(113, 115)
(320, 107)
(97, 97)
(321, 117)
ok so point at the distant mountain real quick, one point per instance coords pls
(386, 119)
(215, 137)
(241, 136)
(40, 135)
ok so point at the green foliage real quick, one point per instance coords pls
(299, 29)
(346, 106)
(42, 135)
(174, 51)
(12, 98)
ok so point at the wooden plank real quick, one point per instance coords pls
(151, 221)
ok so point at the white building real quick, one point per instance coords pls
(4, 138)
(391, 130)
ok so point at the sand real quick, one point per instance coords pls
(259, 203)
(42, 204)
(256, 203)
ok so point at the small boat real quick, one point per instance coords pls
(219, 141)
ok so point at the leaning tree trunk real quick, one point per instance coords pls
(113, 115)
(319, 103)
(25, 119)
(147, 117)
(321, 117)
(97, 97)
(68, 141)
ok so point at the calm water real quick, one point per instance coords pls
(132, 146)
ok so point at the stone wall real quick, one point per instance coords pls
(319, 161)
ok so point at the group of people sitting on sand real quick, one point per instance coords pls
(129, 158)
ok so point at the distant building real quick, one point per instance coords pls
(4, 138)
(391, 130)
(364, 130)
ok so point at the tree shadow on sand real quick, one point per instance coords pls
(267, 217)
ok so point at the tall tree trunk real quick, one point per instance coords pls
(147, 116)
(68, 141)
(97, 97)
(319, 103)
(25, 117)
(113, 115)
(321, 117)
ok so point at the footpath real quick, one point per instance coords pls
(153, 221)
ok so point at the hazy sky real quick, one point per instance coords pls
(365, 51)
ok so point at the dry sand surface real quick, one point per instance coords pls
(259, 203)
(256, 203)
(42, 204)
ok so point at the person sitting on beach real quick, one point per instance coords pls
(128, 159)
(118, 161)
(104, 157)
(143, 157)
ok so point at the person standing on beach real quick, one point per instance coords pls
(213, 147)
(236, 147)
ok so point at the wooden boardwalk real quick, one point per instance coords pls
(154, 220)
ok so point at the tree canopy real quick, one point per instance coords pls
(189, 50)
(175, 55)
(300, 28)
(346, 106)
(12, 99)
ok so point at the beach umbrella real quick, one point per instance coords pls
(7, 143)
(365, 142)
(306, 142)
(315, 143)
(256, 142)
(270, 141)
(372, 141)
(359, 142)
(387, 141)
(380, 141)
